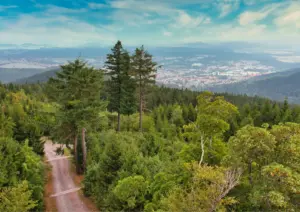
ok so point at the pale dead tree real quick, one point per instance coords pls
(231, 179)
(209, 186)
(202, 149)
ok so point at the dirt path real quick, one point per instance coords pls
(66, 191)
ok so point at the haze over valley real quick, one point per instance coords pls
(195, 67)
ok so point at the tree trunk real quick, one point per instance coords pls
(75, 154)
(202, 151)
(250, 172)
(141, 105)
(119, 124)
(83, 149)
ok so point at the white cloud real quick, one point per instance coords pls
(253, 2)
(140, 13)
(156, 6)
(250, 17)
(290, 17)
(184, 20)
(156, 22)
(54, 31)
(244, 33)
(96, 6)
(2, 8)
(167, 33)
(52, 9)
(227, 6)
(228, 32)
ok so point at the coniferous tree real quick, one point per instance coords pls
(286, 112)
(128, 100)
(121, 85)
(77, 89)
(144, 70)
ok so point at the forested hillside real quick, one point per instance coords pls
(276, 86)
(13, 74)
(146, 148)
(37, 78)
(24, 118)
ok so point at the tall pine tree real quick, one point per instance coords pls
(76, 88)
(144, 70)
(121, 85)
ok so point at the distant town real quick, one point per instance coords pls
(200, 75)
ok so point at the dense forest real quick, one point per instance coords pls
(149, 148)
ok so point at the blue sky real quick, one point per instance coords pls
(70, 23)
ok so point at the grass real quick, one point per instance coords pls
(67, 152)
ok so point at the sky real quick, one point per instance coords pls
(77, 23)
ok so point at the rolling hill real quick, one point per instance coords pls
(40, 77)
(276, 86)
(13, 74)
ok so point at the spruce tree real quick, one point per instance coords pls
(76, 88)
(121, 85)
(144, 70)
(128, 100)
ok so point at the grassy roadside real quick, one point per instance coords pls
(50, 203)
(78, 182)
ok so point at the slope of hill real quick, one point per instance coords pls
(13, 74)
(276, 86)
(40, 77)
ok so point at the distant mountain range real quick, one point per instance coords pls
(276, 86)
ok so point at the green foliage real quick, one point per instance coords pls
(18, 163)
(6, 126)
(131, 192)
(252, 144)
(16, 199)
(211, 122)
(271, 158)
(209, 185)
(76, 89)
(144, 71)
(248, 148)
(24, 118)
(112, 166)
(121, 87)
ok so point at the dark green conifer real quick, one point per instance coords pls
(144, 70)
(121, 85)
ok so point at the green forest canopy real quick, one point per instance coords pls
(190, 151)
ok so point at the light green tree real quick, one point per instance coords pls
(131, 192)
(16, 199)
(212, 116)
(207, 190)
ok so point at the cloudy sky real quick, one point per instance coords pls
(70, 23)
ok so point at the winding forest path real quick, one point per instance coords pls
(65, 189)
